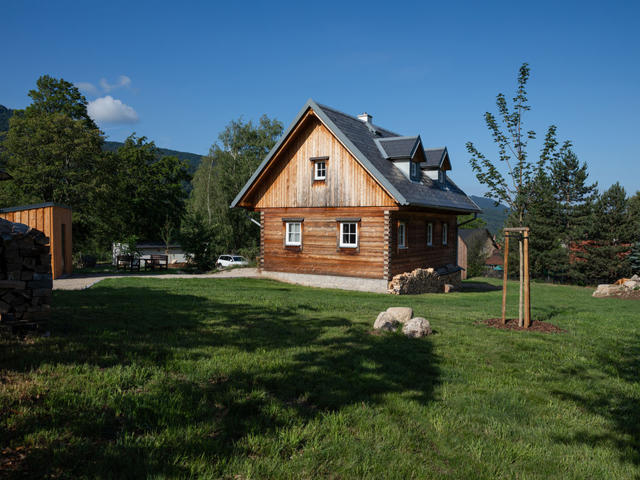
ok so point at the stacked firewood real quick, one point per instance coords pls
(25, 277)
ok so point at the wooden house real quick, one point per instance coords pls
(55, 222)
(469, 238)
(339, 196)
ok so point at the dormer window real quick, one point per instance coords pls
(414, 171)
(442, 177)
(319, 168)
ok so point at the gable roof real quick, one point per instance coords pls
(398, 147)
(360, 139)
(436, 158)
(468, 235)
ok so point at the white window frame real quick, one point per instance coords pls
(402, 227)
(288, 231)
(445, 233)
(342, 233)
(430, 234)
(316, 168)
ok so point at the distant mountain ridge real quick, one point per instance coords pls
(494, 215)
(193, 159)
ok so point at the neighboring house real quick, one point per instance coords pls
(340, 196)
(54, 221)
(468, 238)
(176, 255)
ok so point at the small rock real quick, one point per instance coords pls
(448, 288)
(401, 314)
(417, 327)
(385, 322)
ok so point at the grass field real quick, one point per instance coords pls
(241, 378)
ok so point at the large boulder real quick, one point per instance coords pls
(632, 284)
(401, 314)
(606, 290)
(386, 321)
(417, 327)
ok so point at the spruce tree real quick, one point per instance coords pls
(604, 256)
(634, 259)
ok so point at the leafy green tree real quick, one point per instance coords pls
(222, 174)
(477, 255)
(141, 193)
(603, 257)
(52, 150)
(510, 178)
(200, 239)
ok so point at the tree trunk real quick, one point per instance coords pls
(520, 303)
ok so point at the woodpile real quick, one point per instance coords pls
(25, 277)
(425, 280)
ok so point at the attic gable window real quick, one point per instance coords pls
(319, 168)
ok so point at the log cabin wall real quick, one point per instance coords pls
(418, 254)
(320, 252)
(290, 183)
(55, 222)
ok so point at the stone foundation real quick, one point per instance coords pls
(424, 280)
(329, 281)
(25, 277)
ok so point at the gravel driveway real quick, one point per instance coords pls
(80, 282)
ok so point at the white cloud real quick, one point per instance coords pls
(123, 81)
(87, 87)
(110, 110)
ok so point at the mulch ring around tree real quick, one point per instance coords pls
(512, 324)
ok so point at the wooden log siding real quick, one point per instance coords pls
(320, 253)
(289, 182)
(418, 254)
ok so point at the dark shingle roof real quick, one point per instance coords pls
(398, 147)
(427, 193)
(360, 139)
(434, 157)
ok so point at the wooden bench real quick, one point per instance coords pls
(157, 261)
(127, 262)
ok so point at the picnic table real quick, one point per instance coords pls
(127, 262)
(160, 262)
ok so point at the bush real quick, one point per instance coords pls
(198, 239)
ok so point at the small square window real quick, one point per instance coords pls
(429, 234)
(293, 234)
(348, 235)
(402, 235)
(320, 170)
(445, 233)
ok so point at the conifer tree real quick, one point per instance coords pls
(604, 256)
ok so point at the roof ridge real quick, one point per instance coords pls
(434, 149)
(353, 117)
(404, 137)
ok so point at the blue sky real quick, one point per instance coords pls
(178, 72)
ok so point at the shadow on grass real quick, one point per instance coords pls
(475, 286)
(617, 401)
(298, 362)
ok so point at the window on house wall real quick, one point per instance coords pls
(430, 233)
(445, 233)
(348, 234)
(320, 170)
(293, 235)
(402, 235)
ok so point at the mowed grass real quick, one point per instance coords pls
(252, 379)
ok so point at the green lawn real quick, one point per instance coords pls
(241, 378)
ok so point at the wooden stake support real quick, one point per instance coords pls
(524, 231)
